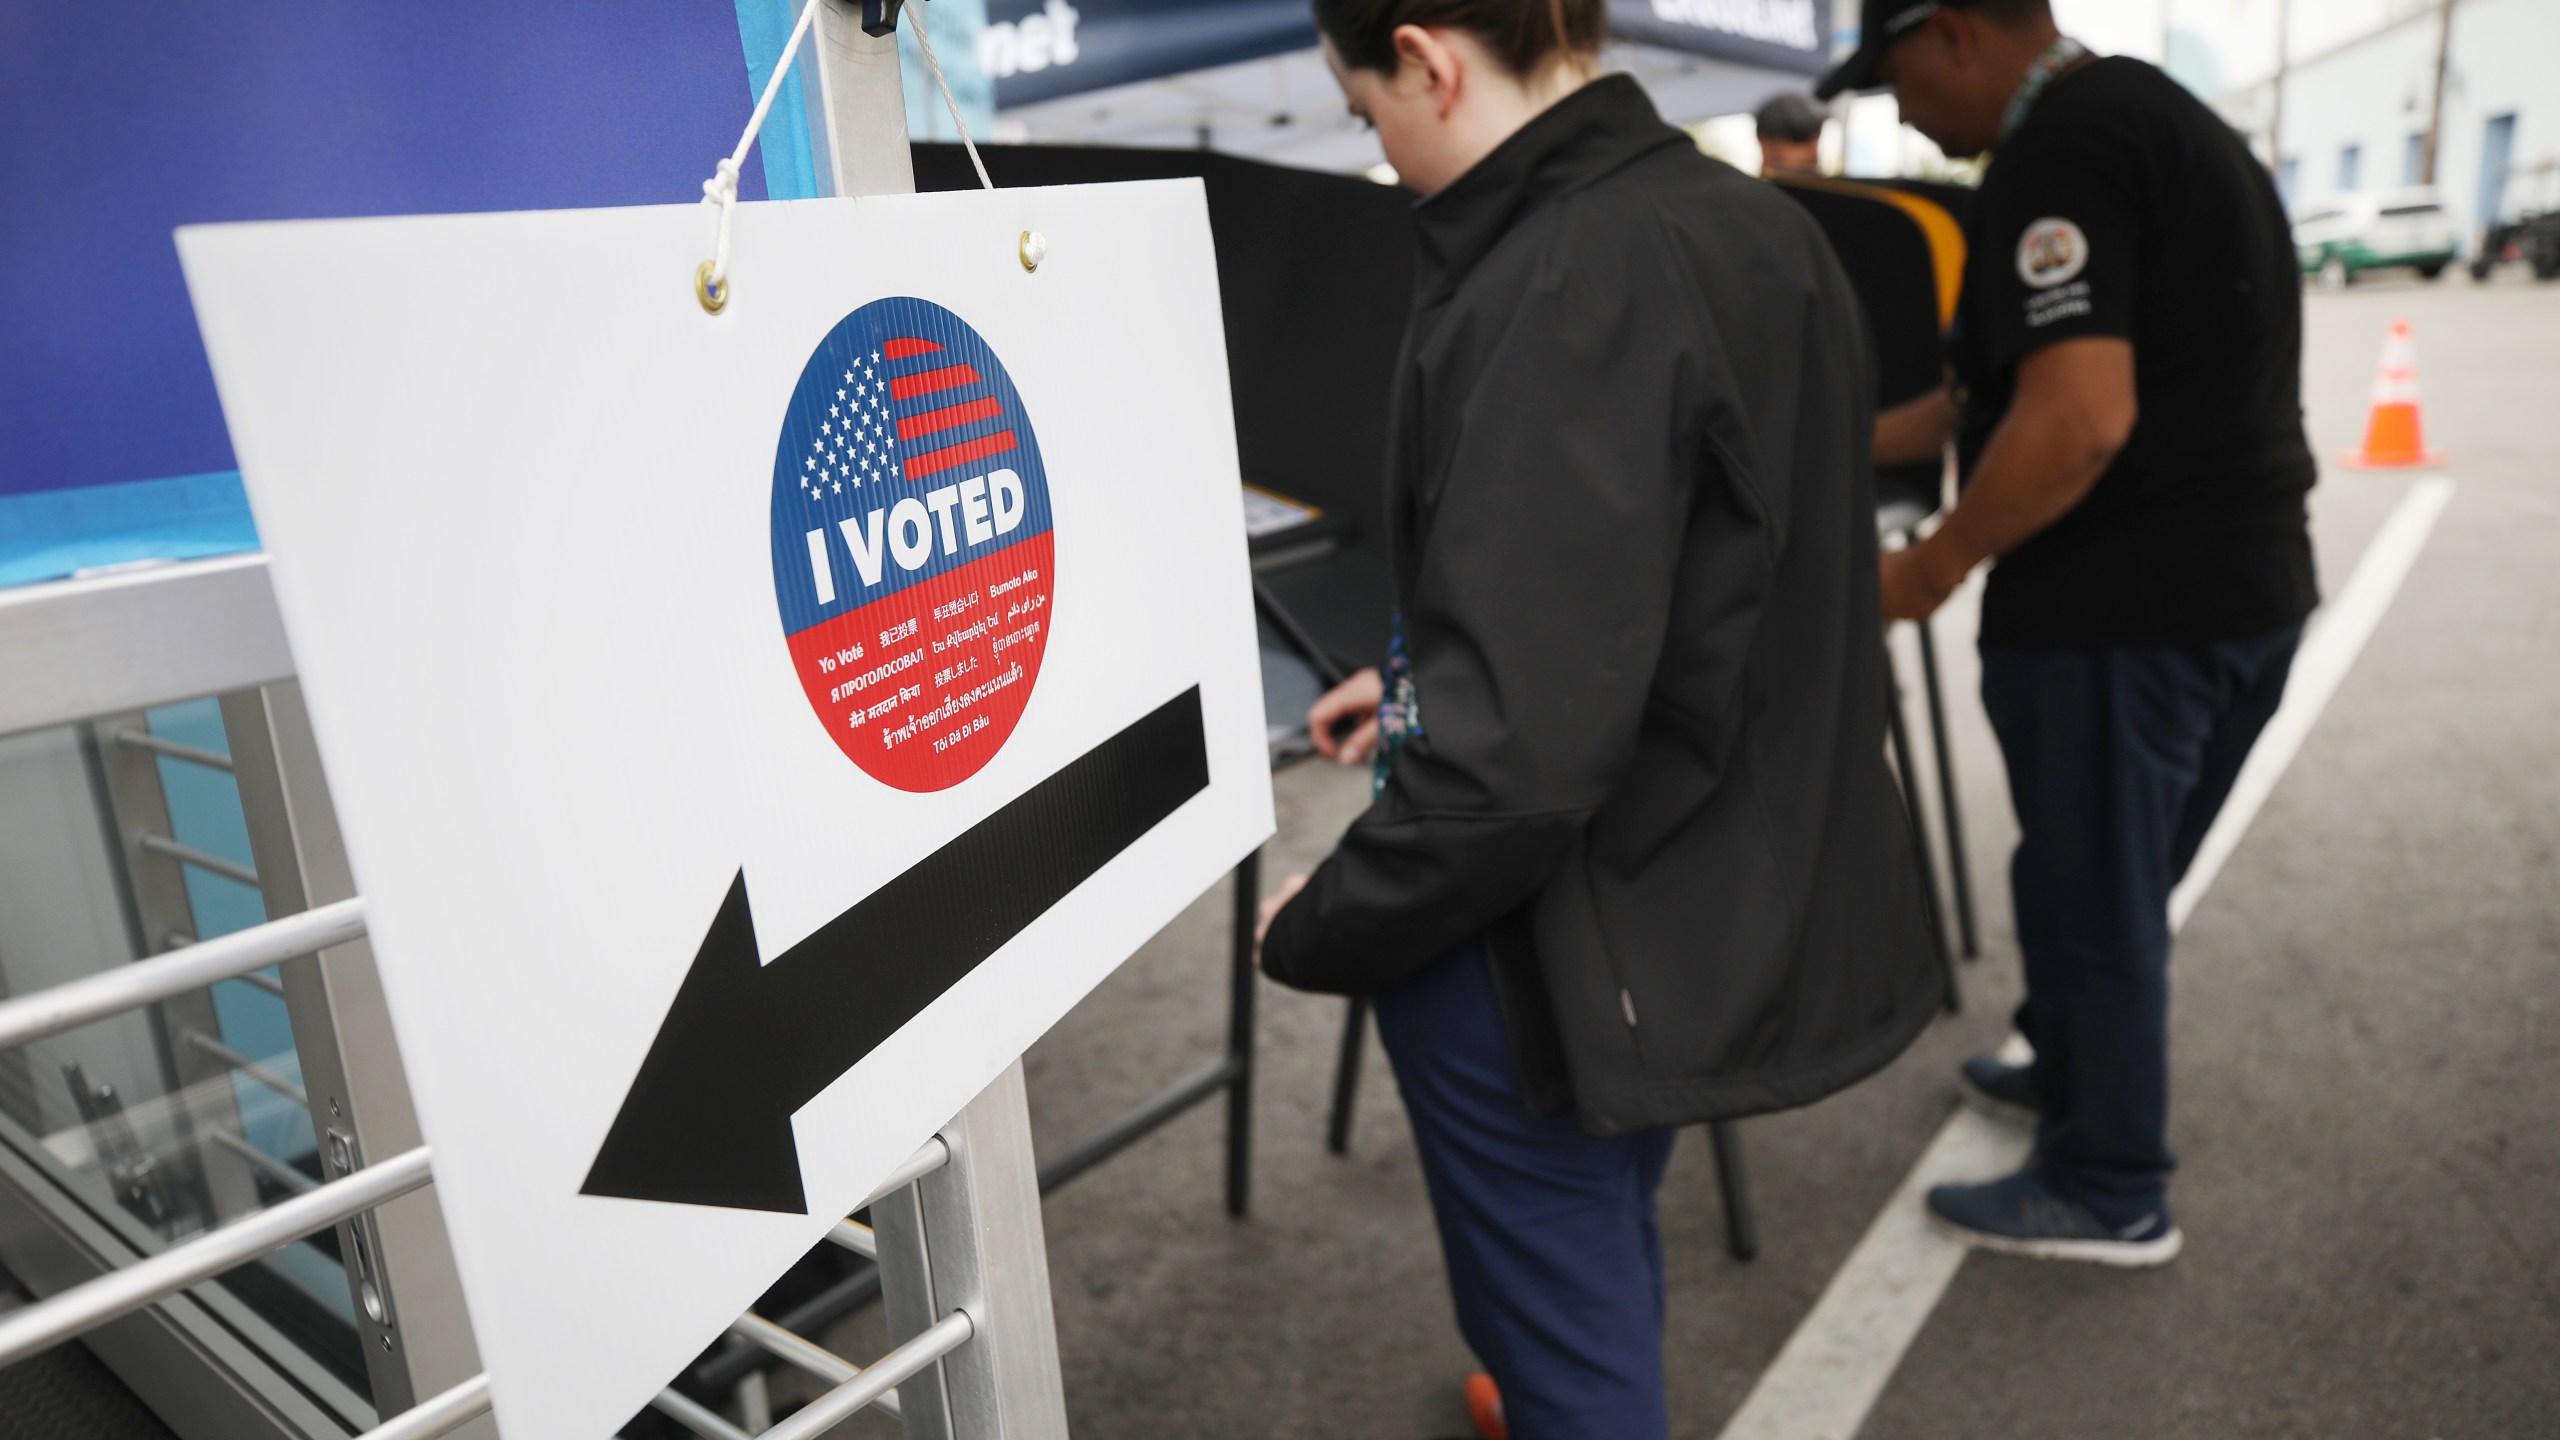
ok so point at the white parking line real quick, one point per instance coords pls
(1837, 1362)
(2331, 647)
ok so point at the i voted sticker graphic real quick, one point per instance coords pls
(911, 544)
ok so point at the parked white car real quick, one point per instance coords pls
(2345, 235)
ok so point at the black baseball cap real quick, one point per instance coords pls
(1880, 23)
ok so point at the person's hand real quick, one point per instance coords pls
(1916, 582)
(1271, 904)
(1358, 698)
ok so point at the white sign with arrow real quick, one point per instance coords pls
(750, 731)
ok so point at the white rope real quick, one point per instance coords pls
(721, 190)
(924, 42)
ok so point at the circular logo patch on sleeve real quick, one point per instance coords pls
(911, 544)
(2052, 251)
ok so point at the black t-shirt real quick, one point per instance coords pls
(2124, 207)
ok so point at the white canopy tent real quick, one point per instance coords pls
(1099, 79)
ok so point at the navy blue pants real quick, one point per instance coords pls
(2118, 762)
(1554, 1258)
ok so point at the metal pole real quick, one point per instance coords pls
(251, 1068)
(190, 855)
(965, 1242)
(1346, 1075)
(820, 1415)
(410, 1319)
(797, 1350)
(695, 1416)
(1904, 770)
(1741, 1222)
(133, 739)
(2435, 107)
(441, 1415)
(908, 1304)
(79, 649)
(146, 982)
(736, 1360)
(1136, 1124)
(1950, 811)
(807, 1355)
(121, 1292)
(982, 1225)
(932, 1155)
(264, 1163)
(2275, 117)
(1245, 976)
(862, 105)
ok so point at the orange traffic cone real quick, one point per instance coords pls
(2392, 439)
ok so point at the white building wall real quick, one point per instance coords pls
(2371, 94)
(2506, 60)
(2374, 93)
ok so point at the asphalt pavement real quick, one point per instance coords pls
(2366, 1066)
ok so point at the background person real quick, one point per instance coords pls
(1791, 135)
(1635, 860)
(2129, 355)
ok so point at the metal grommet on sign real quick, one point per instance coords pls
(1035, 248)
(714, 298)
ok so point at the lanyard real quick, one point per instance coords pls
(2058, 57)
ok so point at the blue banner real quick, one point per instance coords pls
(1789, 35)
(125, 121)
(1038, 50)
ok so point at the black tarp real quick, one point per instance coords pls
(1894, 263)
(1315, 274)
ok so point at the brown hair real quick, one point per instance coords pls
(1522, 34)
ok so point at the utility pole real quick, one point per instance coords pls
(2435, 106)
(2275, 116)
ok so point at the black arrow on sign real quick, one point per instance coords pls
(744, 1045)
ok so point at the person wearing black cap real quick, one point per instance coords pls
(2127, 411)
(1790, 128)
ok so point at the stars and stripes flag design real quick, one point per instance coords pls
(871, 414)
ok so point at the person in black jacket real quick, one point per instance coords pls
(1635, 859)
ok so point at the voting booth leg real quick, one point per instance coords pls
(1900, 732)
(1733, 1183)
(1243, 977)
(1950, 807)
(1231, 1072)
(1346, 1076)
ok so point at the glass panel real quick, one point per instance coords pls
(169, 1121)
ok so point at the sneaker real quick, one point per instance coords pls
(2001, 1088)
(2018, 1215)
(1484, 1407)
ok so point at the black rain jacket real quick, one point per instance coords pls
(1633, 525)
